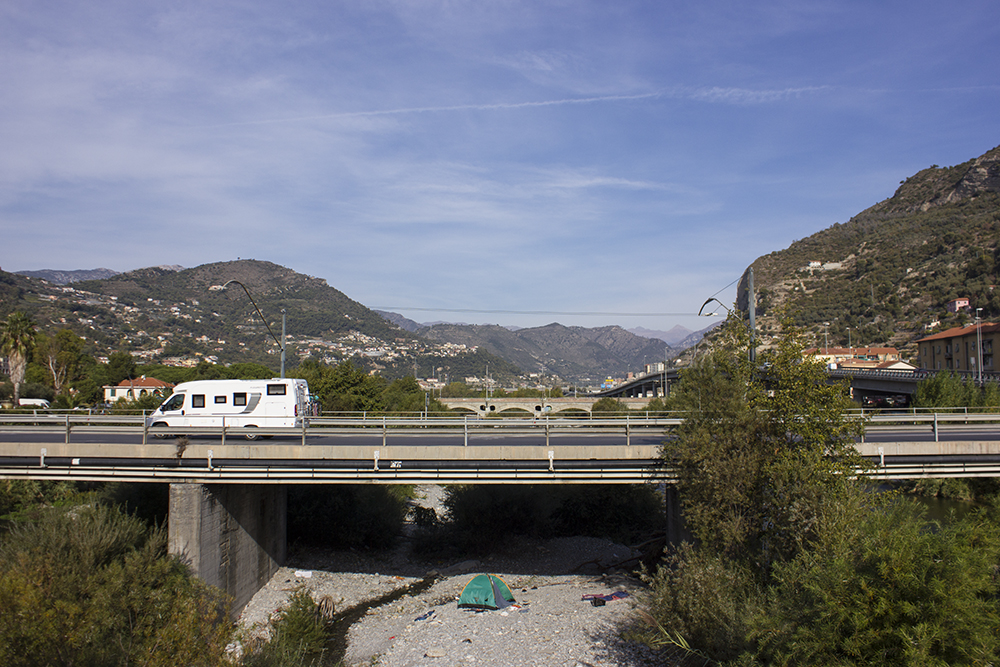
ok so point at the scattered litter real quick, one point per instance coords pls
(601, 600)
(304, 574)
(424, 616)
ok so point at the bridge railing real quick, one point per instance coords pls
(71, 422)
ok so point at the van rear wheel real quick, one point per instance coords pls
(252, 436)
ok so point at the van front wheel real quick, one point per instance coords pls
(158, 425)
(252, 436)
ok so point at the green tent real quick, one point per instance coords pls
(485, 591)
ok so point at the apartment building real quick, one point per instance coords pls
(960, 348)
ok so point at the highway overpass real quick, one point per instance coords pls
(228, 495)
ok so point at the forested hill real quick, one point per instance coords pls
(312, 307)
(890, 270)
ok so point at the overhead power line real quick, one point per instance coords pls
(532, 312)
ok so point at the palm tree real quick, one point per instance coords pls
(16, 341)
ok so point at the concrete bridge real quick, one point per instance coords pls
(533, 406)
(228, 497)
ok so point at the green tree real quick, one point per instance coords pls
(16, 342)
(121, 366)
(950, 390)
(607, 407)
(344, 387)
(765, 445)
(60, 355)
(798, 562)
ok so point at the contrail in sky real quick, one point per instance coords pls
(716, 94)
(455, 107)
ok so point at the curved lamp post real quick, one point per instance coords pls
(750, 327)
(281, 343)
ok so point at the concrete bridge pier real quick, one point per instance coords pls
(233, 536)
(677, 531)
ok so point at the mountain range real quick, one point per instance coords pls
(181, 313)
(885, 277)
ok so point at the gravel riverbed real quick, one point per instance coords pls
(549, 625)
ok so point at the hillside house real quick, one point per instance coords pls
(861, 358)
(957, 349)
(132, 389)
(956, 305)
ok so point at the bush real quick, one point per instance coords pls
(882, 588)
(18, 495)
(298, 636)
(94, 586)
(702, 604)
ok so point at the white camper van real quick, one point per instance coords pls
(249, 404)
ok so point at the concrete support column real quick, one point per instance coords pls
(676, 530)
(233, 536)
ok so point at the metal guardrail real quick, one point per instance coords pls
(70, 422)
(414, 463)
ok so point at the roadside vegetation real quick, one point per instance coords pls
(796, 559)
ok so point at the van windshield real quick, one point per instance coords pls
(173, 403)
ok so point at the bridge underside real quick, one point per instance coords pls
(232, 536)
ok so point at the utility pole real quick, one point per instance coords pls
(979, 348)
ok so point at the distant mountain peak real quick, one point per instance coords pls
(61, 277)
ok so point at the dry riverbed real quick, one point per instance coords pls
(403, 612)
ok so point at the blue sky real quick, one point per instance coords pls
(492, 159)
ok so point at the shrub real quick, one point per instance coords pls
(882, 588)
(702, 604)
(94, 586)
(298, 636)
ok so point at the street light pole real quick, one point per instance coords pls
(750, 328)
(281, 343)
(979, 348)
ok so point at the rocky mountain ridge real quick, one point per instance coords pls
(570, 352)
(885, 276)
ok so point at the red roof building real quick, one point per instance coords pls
(131, 389)
(960, 348)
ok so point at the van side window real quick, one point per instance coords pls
(220, 399)
(197, 400)
(275, 390)
(240, 399)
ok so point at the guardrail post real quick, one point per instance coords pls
(628, 433)
(41, 462)
(935, 427)
(384, 434)
(67, 428)
(465, 428)
(305, 426)
(552, 457)
(223, 431)
(547, 431)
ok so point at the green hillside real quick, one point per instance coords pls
(887, 273)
